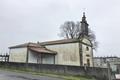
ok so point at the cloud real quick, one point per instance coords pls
(39, 20)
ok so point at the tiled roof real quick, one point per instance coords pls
(42, 50)
(63, 41)
(106, 57)
(41, 44)
(34, 47)
(26, 45)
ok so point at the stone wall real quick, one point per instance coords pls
(98, 73)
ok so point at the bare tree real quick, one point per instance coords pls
(92, 38)
(72, 30)
(69, 30)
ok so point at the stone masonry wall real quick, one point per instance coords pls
(98, 73)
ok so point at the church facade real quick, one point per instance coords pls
(71, 51)
(78, 52)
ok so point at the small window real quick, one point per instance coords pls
(87, 55)
(87, 48)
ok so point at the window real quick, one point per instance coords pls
(88, 62)
(87, 55)
(87, 48)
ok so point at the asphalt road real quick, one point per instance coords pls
(9, 75)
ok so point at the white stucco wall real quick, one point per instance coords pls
(67, 54)
(18, 55)
(48, 59)
(34, 57)
(87, 52)
(85, 40)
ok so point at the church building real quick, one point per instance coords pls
(77, 52)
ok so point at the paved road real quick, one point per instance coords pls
(8, 75)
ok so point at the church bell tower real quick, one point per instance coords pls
(84, 26)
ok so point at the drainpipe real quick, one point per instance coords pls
(27, 54)
(27, 57)
(54, 59)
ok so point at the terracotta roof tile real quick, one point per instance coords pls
(63, 41)
(42, 50)
(26, 45)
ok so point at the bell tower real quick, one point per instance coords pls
(84, 26)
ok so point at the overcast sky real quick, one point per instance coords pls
(24, 21)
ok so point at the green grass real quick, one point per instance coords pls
(49, 74)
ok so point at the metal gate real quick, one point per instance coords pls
(4, 58)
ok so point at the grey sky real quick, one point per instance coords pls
(39, 20)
